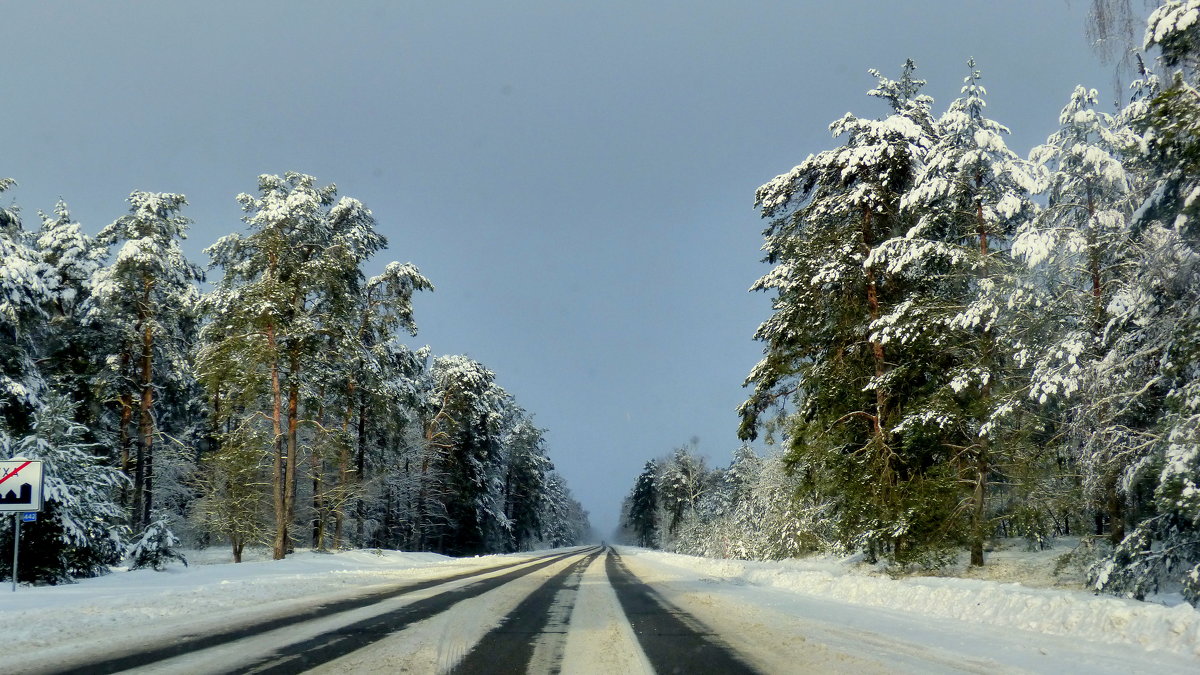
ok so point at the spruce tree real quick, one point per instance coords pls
(1077, 247)
(966, 203)
(27, 289)
(641, 515)
(1153, 357)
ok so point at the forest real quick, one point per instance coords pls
(263, 400)
(967, 344)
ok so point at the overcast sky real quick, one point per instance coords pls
(576, 178)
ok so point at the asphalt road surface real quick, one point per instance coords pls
(367, 634)
(587, 610)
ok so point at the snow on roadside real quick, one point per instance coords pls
(1052, 611)
(145, 601)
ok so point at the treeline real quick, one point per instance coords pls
(277, 408)
(745, 510)
(966, 343)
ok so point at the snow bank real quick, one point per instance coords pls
(139, 600)
(1051, 611)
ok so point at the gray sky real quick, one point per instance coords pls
(577, 179)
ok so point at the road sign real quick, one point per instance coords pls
(20, 485)
(29, 517)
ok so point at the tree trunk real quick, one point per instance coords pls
(318, 519)
(982, 459)
(877, 353)
(422, 520)
(978, 516)
(1115, 506)
(139, 486)
(126, 402)
(345, 475)
(361, 466)
(293, 448)
(886, 473)
(316, 467)
(277, 468)
(145, 420)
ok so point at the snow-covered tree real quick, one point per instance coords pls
(680, 483)
(298, 367)
(753, 509)
(261, 317)
(1152, 365)
(81, 530)
(564, 520)
(155, 547)
(526, 472)
(828, 351)
(290, 286)
(967, 201)
(358, 365)
(1174, 29)
(69, 348)
(233, 483)
(146, 299)
(464, 427)
(640, 512)
(26, 291)
(1077, 248)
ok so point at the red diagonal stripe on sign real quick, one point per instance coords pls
(15, 471)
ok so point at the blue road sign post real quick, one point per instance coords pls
(29, 517)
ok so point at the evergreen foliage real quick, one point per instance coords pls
(966, 344)
(280, 399)
(155, 547)
(81, 530)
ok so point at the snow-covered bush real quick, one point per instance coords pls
(155, 547)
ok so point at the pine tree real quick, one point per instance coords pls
(147, 297)
(289, 287)
(565, 522)
(463, 395)
(383, 308)
(69, 347)
(679, 485)
(526, 468)
(825, 344)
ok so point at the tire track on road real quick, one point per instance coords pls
(512, 646)
(307, 654)
(189, 644)
(673, 640)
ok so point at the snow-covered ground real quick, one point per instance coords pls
(790, 616)
(972, 623)
(54, 622)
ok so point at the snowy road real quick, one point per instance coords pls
(586, 610)
(513, 618)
